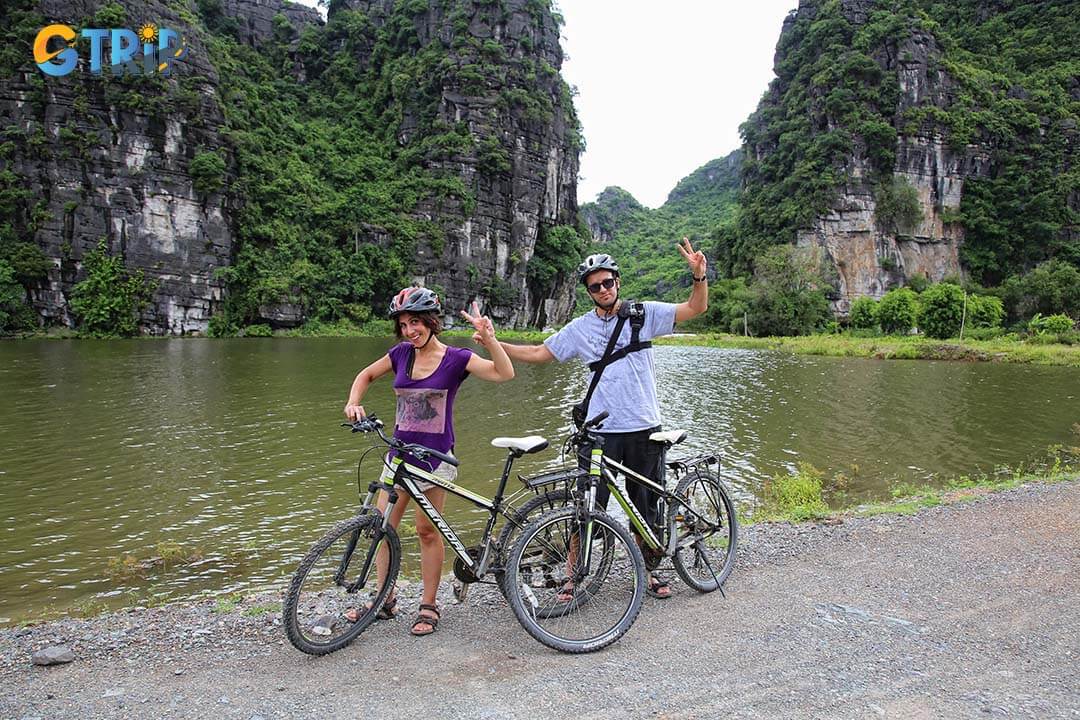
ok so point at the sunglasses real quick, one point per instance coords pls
(606, 283)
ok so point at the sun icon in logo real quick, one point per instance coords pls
(148, 33)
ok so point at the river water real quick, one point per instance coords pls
(231, 450)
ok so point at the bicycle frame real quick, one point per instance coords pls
(406, 476)
(600, 465)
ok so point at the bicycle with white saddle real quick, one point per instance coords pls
(557, 573)
(338, 574)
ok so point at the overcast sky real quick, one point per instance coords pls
(663, 91)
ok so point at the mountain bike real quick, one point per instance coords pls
(550, 579)
(338, 573)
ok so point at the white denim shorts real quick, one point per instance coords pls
(445, 471)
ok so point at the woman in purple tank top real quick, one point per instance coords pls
(427, 375)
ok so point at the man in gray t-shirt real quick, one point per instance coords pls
(627, 387)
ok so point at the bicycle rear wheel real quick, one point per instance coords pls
(703, 517)
(520, 517)
(330, 581)
(603, 599)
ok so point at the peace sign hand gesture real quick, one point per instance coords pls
(694, 258)
(485, 329)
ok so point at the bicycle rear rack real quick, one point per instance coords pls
(683, 466)
(560, 476)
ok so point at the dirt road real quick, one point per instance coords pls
(962, 611)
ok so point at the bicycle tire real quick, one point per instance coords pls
(623, 582)
(706, 562)
(317, 598)
(519, 518)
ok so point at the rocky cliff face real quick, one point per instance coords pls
(108, 158)
(533, 182)
(870, 256)
(111, 158)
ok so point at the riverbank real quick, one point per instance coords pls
(951, 612)
(885, 347)
(894, 348)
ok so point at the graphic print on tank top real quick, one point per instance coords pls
(421, 409)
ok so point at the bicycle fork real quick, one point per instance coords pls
(584, 520)
(377, 535)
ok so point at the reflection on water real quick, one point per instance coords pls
(233, 447)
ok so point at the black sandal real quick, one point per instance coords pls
(655, 586)
(422, 619)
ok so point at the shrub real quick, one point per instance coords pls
(207, 172)
(984, 311)
(897, 311)
(107, 302)
(941, 308)
(1050, 325)
(259, 330)
(918, 283)
(15, 315)
(795, 497)
(1052, 287)
(897, 206)
(863, 314)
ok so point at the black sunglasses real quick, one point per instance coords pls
(606, 283)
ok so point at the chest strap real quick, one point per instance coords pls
(635, 313)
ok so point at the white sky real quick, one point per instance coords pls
(663, 91)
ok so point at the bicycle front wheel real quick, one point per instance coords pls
(703, 518)
(334, 594)
(567, 601)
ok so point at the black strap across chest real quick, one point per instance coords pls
(635, 313)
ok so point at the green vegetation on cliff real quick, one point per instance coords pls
(643, 240)
(1010, 82)
(323, 166)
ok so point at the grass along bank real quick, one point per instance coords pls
(911, 347)
(807, 495)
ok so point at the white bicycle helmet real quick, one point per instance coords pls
(599, 261)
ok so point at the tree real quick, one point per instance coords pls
(941, 308)
(108, 300)
(863, 315)
(788, 296)
(897, 311)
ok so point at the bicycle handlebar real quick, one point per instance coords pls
(420, 452)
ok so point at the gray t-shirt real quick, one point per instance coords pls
(627, 389)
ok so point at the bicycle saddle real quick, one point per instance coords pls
(530, 444)
(671, 437)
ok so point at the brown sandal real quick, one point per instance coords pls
(430, 620)
(387, 612)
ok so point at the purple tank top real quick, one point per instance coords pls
(425, 407)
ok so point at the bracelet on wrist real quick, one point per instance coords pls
(697, 279)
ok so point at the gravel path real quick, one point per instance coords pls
(969, 610)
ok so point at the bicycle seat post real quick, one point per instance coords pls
(511, 455)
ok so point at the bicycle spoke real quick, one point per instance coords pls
(570, 607)
(326, 605)
(704, 523)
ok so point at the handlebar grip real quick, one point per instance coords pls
(598, 419)
(445, 457)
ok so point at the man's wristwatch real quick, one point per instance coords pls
(697, 279)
